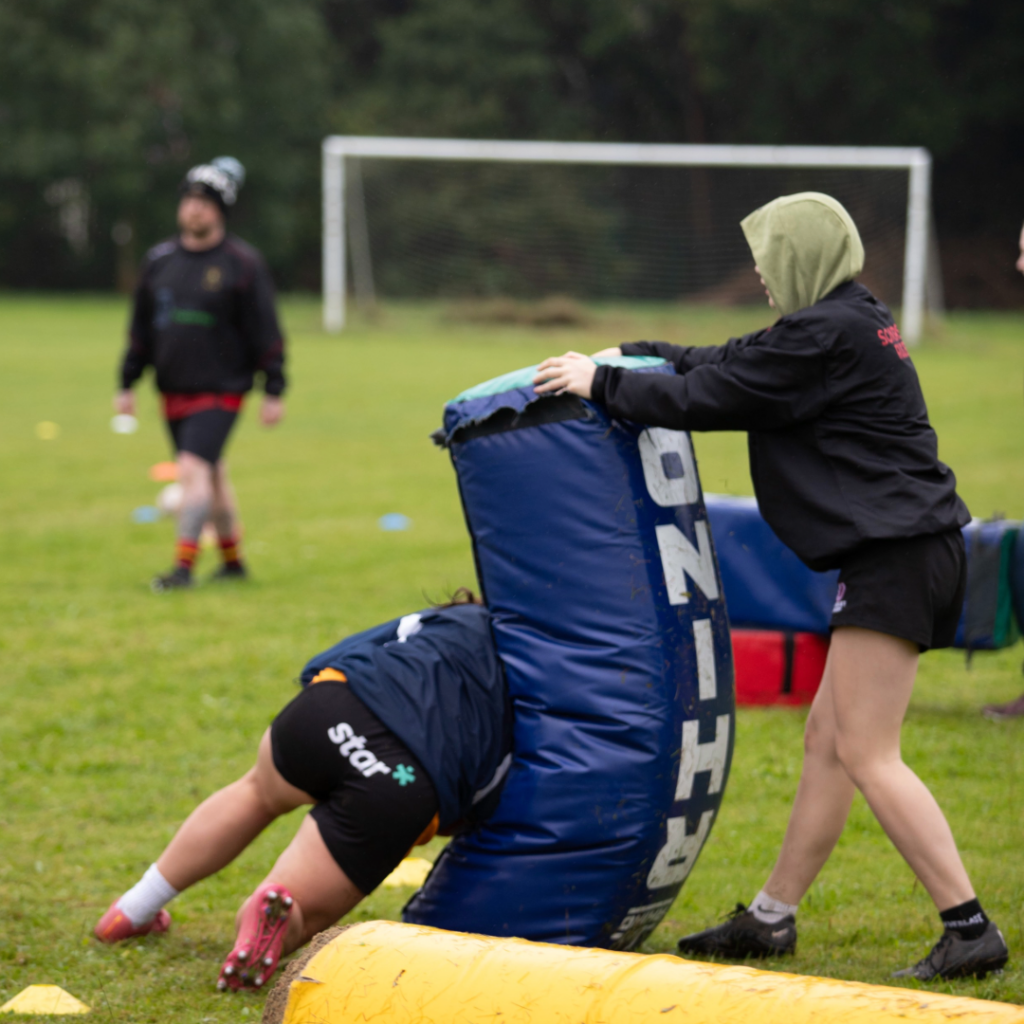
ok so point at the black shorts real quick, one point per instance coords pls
(203, 433)
(373, 798)
(911, 588)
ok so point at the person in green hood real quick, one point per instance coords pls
(846, 471)
(804, 247)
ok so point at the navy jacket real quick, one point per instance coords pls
(434, 679)
(841, 450)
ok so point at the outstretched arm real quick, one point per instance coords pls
(574, 372)
(224, 824)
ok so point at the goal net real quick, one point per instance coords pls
(461, 219)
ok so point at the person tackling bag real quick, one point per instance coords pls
(400, 732)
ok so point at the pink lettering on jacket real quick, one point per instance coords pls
(891, 336)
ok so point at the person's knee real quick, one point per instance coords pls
(864, 762)
(819, 739)
(194, 473)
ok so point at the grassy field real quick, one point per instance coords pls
(121, 709)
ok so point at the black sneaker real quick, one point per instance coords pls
(955, 957)
(743, 935)
(179, 578)
(236, 571)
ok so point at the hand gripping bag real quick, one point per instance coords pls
(595, 559)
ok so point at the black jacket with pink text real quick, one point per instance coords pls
(841, 450)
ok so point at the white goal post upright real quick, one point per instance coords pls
(917, 162)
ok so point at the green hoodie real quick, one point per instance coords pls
(804, 245)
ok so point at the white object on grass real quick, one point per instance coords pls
(122, 423)
(169, 499)
(394, 521)
(917, 162)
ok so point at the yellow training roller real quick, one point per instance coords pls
(394, 973)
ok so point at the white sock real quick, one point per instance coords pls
(769, 910)
(141, 903)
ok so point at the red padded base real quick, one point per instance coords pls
(769, 673)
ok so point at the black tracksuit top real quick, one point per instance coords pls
(841, 450)
(205, 320)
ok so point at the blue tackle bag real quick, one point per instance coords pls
(595, 559)
(766, 585)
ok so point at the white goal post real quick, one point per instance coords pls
(916, 161)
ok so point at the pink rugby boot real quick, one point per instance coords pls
(115, 925)
(260, 938)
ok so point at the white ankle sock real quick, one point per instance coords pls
(769, 910)
(141, 903)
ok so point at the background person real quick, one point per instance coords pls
(846, 471)
(402, 731)
(204, 318)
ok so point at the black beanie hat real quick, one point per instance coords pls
(218, 180)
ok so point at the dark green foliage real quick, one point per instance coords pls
(116, 98)
(111, 101)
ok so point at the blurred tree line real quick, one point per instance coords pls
(105, 103)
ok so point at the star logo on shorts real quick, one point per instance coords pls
(404, 775)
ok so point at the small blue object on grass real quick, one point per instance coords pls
(394, 521)
(145, 514)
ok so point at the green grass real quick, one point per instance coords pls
(121, 709)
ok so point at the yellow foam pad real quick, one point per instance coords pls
(393, 973)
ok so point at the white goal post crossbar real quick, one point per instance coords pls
(916, 161)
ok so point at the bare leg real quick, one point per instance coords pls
(869, 677)
(224, 508)
(196, 478)
(873, 683)
(822, 803)
(322, 892)
(223, 825)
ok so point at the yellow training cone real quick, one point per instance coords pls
(48, 999)
(394, 973)
(412, 871)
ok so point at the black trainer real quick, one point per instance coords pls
(743, 935)
(955, 957)
(236, 571)
(178, 578)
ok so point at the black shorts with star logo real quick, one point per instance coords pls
(373, 798)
